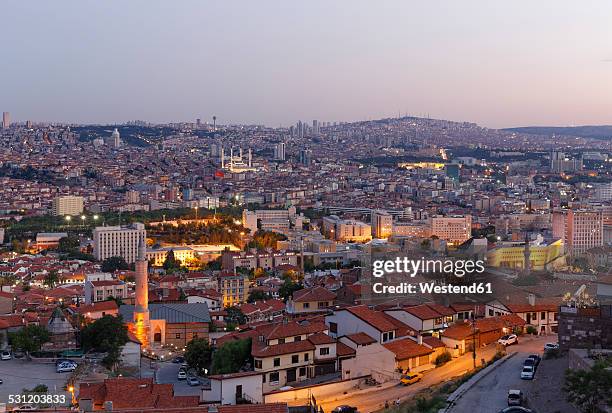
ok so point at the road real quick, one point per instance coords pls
(371, 400)
(167, 373)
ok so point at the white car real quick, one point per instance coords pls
(6, 355)
(66, 367)
(508, 340)
(551, 346)
(527, 373)
(182, 374)
(24, 408)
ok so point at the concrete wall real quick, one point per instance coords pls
(321, 391)
(349, 324)
(224, 391)
(374, 360)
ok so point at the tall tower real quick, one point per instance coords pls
(6, 120)
(214, 123)
(141, 309)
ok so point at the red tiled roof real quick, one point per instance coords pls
(374, 318)
(361, 339)
(109, 305)
(422, 312)
(261, 350)
(321, 338)
(407, 348)
(344, 350)
(313, 294)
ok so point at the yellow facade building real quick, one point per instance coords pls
(513, 256)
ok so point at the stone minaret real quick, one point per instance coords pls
(141, 309)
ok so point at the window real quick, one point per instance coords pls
(295, 359)
(276, 363)
(257, 364)
(543, 315)
(297, 338)
(324, 351)
(281, 341)
(302, 371)
(490, 312)
(333, 327)
(274, 377)
(306, 305)
(306, 356)
(322, 304)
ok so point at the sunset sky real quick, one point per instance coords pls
(500, 64)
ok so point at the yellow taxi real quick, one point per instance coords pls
(410, 378)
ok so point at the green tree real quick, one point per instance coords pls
(589, 389)
(198, 354)
(106, 335)
(231, 356)
(113, 264)
(257, 295)
(234, 316)
(51, 279)
(30, 338)
(68, 244)
(288, 287)
(171, 264)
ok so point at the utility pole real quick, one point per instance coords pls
(474, 336)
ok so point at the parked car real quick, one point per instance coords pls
(345, 409)
(516, 409)
(530, 362)
(178, 359)
(551, 346)
(410, 378)
(65, 367)
(515, 397)
(24, 408)
(536, 359)
(508, 340)
(18, 354)
(528, 373)
(182, 375)
(193, 381)
(6, 355)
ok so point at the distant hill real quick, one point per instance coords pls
(597, 132)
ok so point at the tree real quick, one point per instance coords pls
(68, 244)
(288, 288)
(257, 295)
(231, 356)
(106, 335)
(234, 316)
(113, 264)
(198, 354)
(589, 389)
(171, 264)
(51, 279)
(30, 338)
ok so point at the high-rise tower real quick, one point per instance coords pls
(141, 308)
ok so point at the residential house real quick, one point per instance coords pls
(310, 300)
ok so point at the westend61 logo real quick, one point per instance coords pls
(403, 266)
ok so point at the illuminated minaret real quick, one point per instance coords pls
(141, 309)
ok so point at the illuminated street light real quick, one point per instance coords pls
(68, 218)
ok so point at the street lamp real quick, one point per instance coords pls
(68, 218)
(196, 213)
(95, 217)
(71, 390)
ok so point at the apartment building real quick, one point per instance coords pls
(580, 229)
(453, 229)
(346, 230)
(382, 224)
(96, 291)
(67, 205)
(234, 288)
(118, 241)
(310, 300)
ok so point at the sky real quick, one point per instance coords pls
(274, 62)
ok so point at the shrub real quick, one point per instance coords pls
(532, 330)
(443, 358)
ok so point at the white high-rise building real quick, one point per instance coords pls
(118, 241)
(279, 151)
(67, 205)
(453, 229)
(116, 138)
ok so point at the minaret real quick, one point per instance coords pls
(527, 254)
(222, 158)
(141, 309)
(250, 157)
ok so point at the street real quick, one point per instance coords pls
(167, 373)
(371, 400)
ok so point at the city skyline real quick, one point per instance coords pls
(269, 63)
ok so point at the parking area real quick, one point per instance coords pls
(19, 374)
(167, 372)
